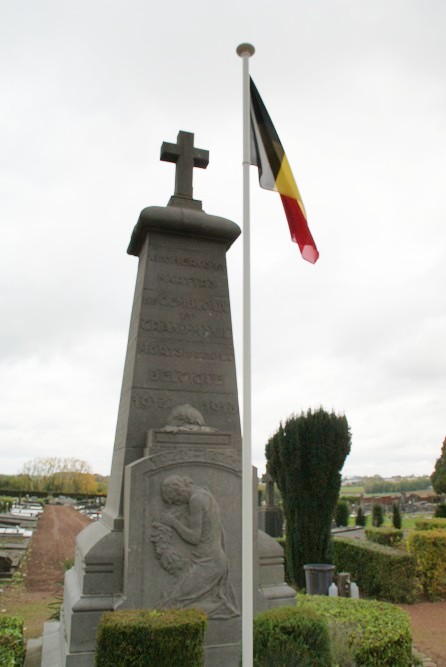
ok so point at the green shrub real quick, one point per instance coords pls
(6, 503)
(377, 515)
(305, 458)
(379, 571)
(377, 633)
(438, 477)
(396, 516)
(360, 519)
(139, 638)
(429, 549)
(342, 513)
(387, 536)
(289, 636)
(440, 511)
(430, 524)
(12, 646)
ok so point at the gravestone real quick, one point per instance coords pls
(271, 515)
(170, 533)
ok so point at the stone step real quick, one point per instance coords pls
(33, 657)
(51, 656)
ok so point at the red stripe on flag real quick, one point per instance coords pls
(299, 230)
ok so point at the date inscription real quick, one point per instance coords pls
(155, 401)
(216, 405)
(151, 402)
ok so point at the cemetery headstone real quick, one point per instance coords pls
(271, 515)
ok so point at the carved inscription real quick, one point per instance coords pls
(185, 329)
(187, 261)
(179, 352)
(185, 377)
(169, 300)
(154, 401)
(151, 402)
(213, 405)
(185, 281)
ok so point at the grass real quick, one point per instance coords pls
(408, 520)
(351, 490)
(34, 608)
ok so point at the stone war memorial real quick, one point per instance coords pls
(170, 534)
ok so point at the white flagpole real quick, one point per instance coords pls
(245, 51)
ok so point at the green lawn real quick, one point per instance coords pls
(408, 520)
(351, 490)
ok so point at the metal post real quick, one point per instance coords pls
(245, 51)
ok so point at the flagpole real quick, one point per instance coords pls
(245, 51)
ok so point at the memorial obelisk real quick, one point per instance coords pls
(170, 534)
(178, 421)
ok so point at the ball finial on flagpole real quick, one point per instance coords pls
(245, 48)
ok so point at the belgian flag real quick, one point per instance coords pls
(275, 174)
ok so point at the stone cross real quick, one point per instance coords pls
(186, 157)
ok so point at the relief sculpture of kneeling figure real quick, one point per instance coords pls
(202, 581)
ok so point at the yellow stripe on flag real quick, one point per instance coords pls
(286, 185)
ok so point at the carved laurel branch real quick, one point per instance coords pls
(170, 560)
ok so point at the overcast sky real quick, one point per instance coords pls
(357, 92)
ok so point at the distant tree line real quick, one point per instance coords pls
(380, 485)
(55, 476)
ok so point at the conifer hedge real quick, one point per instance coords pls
(145, 638)
(379, 571)
(305, 458)
(429, 550)
(342, 513)
(440, 511)
(360, 519)
(288, 636)
(377, 515)
(431, 524)
(390, 537)
(375, 634)
(396, 516)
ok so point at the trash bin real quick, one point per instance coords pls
(318, 577)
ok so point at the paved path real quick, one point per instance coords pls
(429, 629)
